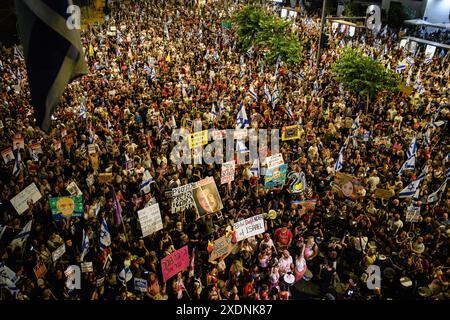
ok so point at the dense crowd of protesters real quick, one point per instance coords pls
(129, 112)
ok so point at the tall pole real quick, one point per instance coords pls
(322, 24)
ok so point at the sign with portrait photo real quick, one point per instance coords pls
(8, 155)
(66, 207)
(275, 176)
(290, 133)
(346, 186)
(206, 196)
(228, 169)
(18, 141)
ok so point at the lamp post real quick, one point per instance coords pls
(322, 25)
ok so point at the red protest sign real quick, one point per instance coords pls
(174, 263)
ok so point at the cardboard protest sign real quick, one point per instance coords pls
(249, 227)
(140, 285)
(222, 247)
(174, 263)
(90, 180)
(8, 155)
(182, 198)
(36, 148)
(105, 177)
(20, 201)
(382, 142)
(40, 270)
(383, 193)
(206, 196)
(66, 207)
(290, 133)
(297, 181)
(73, 189)
(275, 176)
(219, 134)
(346, 186)
(18, 141)
(59, 252)
(228, 170)
(305, 205)
(150, 219)
(198, 139)
(91, 148)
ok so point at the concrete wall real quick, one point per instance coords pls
(437, 11)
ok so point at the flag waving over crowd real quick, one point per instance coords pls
(52, 52)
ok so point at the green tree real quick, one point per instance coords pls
(364, 76)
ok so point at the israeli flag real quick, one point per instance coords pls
(110, 126)
(400, 67)
(91, 135)
(241, 147)
(221, 107)
(252, 93)
(316, 87)
(275, 96)
(436, 124)
(267, 92)
(105, 236)
(125, 275)
(160, 126)
(8, 279)
(339, 163)
(417, 81)
(436, 196)
(22, 236)
(241, 119)
(427, 137)
(255, 169)
(152, 74)
(277, 65)
(83, 111)
(146, 180)
(408, 165)
(250, 52)
(408, 80)
(34, 156)
(411, 189)
(289, 111)
(412, 148)
(428, 60)
(84, 245)
(17, 164)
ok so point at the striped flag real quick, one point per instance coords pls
(117, 208)
(289, 111)
(277, 65)
(146, 180)
(275, 96)
(427, 137)
(411, 189)
(8, 279)
(339, 163)
(250, 52)
(436, 196)
(267, 93)
(52, 51)
(417, 80)
(17, 164)
(125, 275)
(436, 124)
(412, 148)
(400, 67)
(83, 111)
(252, 93)
(22, 236)
(152, 74)
(110, 126)
(84, 245)
(408, 80)
(241, 147)
(408, 165)
(105, 236)
(255, 170)
(242, 119)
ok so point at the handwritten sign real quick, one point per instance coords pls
(140, 284)
(20, 201)
(228, 169)
(150, 219)
(40, 270)
(249, 227)
(59, 252)
(86, 267)
(182, 198)
(275, 160)
(222, 247)
(174, 263)
(198, 139)
(412, 214)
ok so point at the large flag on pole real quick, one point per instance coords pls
(241, 119)
(105, 236)
(22, 236)
(84, 245)
(117, 208)
(52, 51)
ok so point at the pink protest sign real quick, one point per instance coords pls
(174, 263)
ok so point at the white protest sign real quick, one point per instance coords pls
(275, 160)
(86, 267)
(228, 169)
(249, 227)
(20, 201)
(73, 189)
(182, 198)
(140, 284)
(429, 51)
(412, 214)
(150, 219)
(91, 148)
(59, 252)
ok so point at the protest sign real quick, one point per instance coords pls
(40, 270)
(346, 186)
(206, 196)
(150, 219)
(198, 139)
(290, 133)
(275, 176)
(297, 182)
(105, 177)
(182, 198)
(18, 141)
(73, 189)
(59, 252)
(36, 148)
(20, 201)
(305, 205)
(8, 155)
(222, 247)
(140, 285)
(91, 148)
(90, 180)
(275, 160)
(66, 207)
(429, 51)
(412, 214)
(86, 267)
(383, 193)
(228, 169)
(249, 227)
(174, 263)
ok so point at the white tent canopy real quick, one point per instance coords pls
(420, 22)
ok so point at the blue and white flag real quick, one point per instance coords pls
(250, 52)
(147, 179)
(125, 275)
(277, 65)
(221, 107)
(428, 60)
(105, 236)
(267, 93)
(436, 124)
(216, 56)
(91, 135)
(436, 196)
(83, 111)
(275, 96)
(8, 279)
(241, 147)
(412, 148)
(400, 67)
(166, 31)
(408, 79)
(339, 163)
(289, 111)
(110, 126)
(84, 245)
(160, 126)
(22, 236)
(252, 93)
(355, 125)
(17, 164)
(411, 189)
(242, 119)
(152, 73)
(427, 138)
(255, 170)
(417, 80)
(316, 87)
(408, 165)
